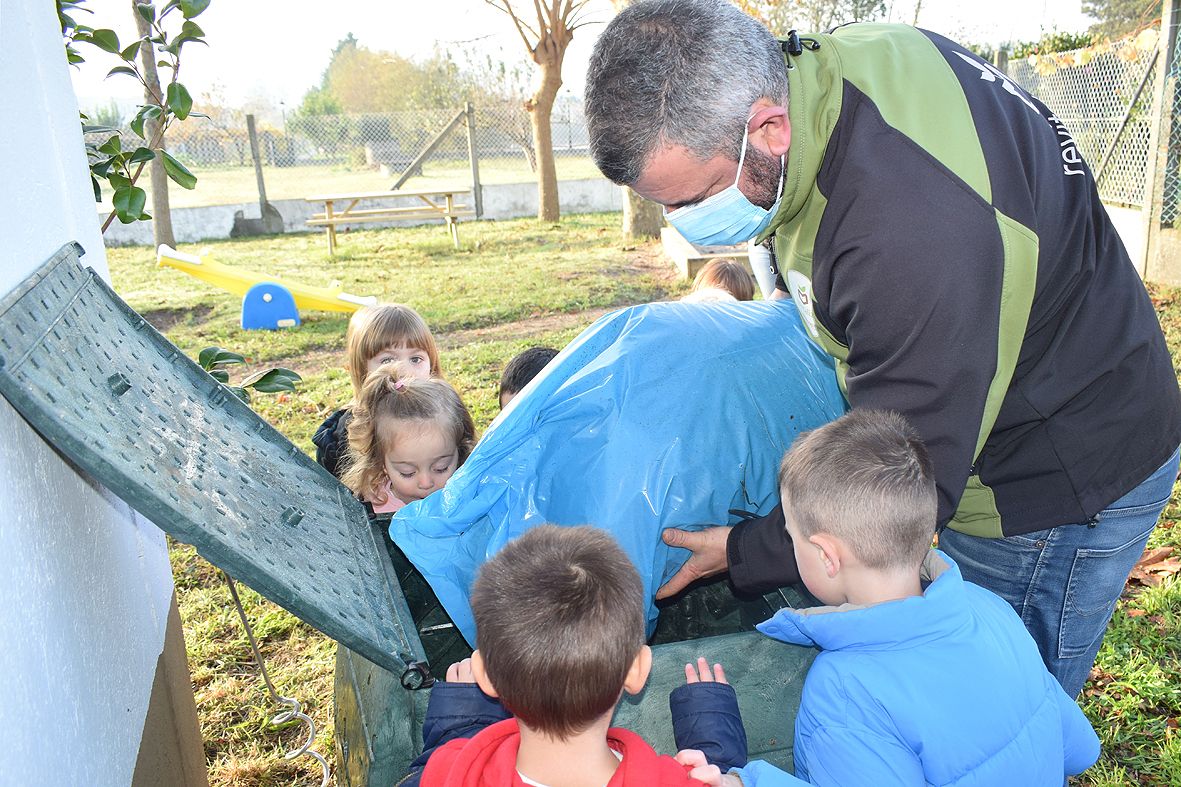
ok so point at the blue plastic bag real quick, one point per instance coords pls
(662, 415)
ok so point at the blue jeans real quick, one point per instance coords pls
(1064, 582)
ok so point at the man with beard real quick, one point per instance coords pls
(944, 242)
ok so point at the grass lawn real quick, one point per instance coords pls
(232, 185)
(514, 284)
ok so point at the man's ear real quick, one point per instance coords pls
(831, 553)
(637, 676)
(770, 125)
(481, 675)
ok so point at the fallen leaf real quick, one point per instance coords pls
(1135, 613)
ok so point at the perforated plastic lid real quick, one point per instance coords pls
(108, 391)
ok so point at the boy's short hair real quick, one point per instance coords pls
(559, 620)
(867, 479)
(524, 367)
(728, 275)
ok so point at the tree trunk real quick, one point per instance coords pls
(642, 219)
(540, 109)
(161, 215)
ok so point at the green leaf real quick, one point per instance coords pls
(179, 100)
(102, 168)
(192, 8)
(98, 194)
(192, 31)
(98, 129)
(72, 56)
(112, 146)
(130, 51)
(272, 380)
(142, 154)
(212, 357)
(105, 40)
(178, 172)
(137, 125)
(129, 202)
(118, 181)
(122, 70)
(171, 4)
(221, 375)
(147, 11)
(241, 393)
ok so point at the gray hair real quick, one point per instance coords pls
(867, 479)
(679, 72)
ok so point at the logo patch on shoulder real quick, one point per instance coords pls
(801, 293)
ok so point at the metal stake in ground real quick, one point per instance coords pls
(295, 709)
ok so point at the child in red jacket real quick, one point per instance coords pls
(560, 632)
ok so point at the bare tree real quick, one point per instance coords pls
(641, 218)
(546, 39)
(161, 215)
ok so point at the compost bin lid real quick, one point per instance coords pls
(107, 390)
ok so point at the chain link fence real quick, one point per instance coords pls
(1170, 209)
(1104, 97)
(305, 155)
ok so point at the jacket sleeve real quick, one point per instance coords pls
(332, 441)
(836, 756)
(764, 774)
(917, 302)
(760, 554)
(706, 717)
(1080, 744)
(455, 710)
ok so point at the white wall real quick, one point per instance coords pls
(85, 585)
(501, 201)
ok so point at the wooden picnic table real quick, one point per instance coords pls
(431, 205)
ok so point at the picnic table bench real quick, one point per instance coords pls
(425, 205)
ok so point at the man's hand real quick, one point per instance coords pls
(709, 556)
(461, 672)
(702, 673)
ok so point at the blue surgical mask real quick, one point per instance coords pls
(728, 217)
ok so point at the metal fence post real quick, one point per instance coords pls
(473, 156)
(1148, 262)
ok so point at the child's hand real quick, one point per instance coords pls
(702, 674)
(699, 768)
(461, 672)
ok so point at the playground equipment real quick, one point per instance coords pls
(127, 407)
(239, 281)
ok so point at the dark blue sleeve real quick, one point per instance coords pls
(332, 441)
(455, 710)
(706, 717)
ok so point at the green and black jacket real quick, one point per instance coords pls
(946, 245)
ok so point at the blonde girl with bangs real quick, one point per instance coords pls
(377, 335)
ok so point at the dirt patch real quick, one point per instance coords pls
(164, 319)
(520, 329)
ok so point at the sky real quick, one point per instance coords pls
(263, 52)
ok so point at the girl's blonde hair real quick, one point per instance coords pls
(726, 275)
(391, 394)
(374, 328)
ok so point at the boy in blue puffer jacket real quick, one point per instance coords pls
(923, 678)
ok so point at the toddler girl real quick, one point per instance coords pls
(407, 436)
(377, 335)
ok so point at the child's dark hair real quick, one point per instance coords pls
(374, 328)
(867, 479)
(726, 275)
(559, 620)
(391, 394)
(523, 368)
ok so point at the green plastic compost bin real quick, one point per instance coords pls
(126, 406)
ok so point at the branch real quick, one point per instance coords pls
(505, 7)
(139, 170)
